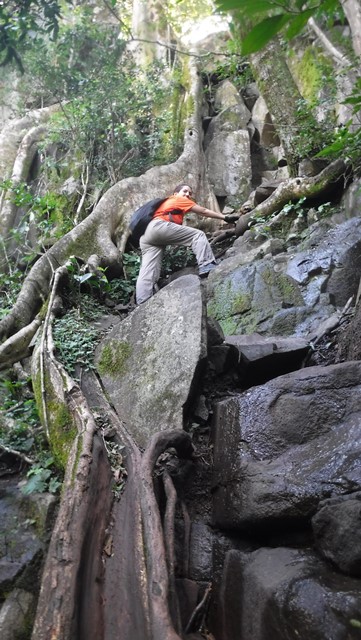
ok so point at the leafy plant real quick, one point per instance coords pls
(176, 258)
(312, 136)
(75, 339)
(295, 208)
(109, 109)
(24, 19)
(347, 139)
(10, 285)
(267, 18)
(20, 431)
(42, 477)
(120, 290)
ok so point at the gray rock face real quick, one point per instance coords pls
(352, 199)
(227, 146)
(289, 293)
(282, 447)
(13, 615)
(149, 362)
(262, 358)
(227, 96)
(229, 165)
(279, 594)
(336, 528)
(335, 263)
(20, 545)
(24, 526)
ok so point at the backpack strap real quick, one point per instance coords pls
(173, 212)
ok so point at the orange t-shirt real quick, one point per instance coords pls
(181, 203)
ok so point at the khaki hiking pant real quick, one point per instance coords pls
(158, 235)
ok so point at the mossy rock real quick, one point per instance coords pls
(250, 296)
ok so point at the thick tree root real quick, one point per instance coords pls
(158, 577)
(81, 581)
(292, 190)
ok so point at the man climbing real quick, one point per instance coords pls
(166, 228)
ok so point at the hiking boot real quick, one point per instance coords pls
(204, 271)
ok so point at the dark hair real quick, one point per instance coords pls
(179, 187)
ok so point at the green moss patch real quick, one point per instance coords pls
(113, 359)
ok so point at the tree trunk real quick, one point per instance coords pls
(152, 35)
(352, 10)
(282, 97)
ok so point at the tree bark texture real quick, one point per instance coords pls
(352, 10)
(127, 592)
(281, 94)
(294, 189)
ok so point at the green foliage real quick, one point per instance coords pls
(74, 337)
(21, 20)
(176, 258)
(10, 285)
(48, 213)
(347, 140)
(233, 67)
(292, 210)
(296, 209)
(262, 33)
(21, 416)
(20, 431)
(120, 290)
(41, 477)
(312, 136)
(270, 18)
(110, 109)
(177, 12)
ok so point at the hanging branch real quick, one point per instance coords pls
(17, 454)
(171, 47)
(330, 48)
(85, 188)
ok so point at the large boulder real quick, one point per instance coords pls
(284, 594)
(262, 358)
(149, 362)
(336, 528)
(288, 293)
(227, 146)
(282, 447)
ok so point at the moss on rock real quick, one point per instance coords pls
(113, 358)
(311, 70)
(243, 302)
(62, 429)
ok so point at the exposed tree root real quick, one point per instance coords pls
(158, 577)
(169, 539)
(294, 189)
(142, 545)
(199, 611)
(77, 537)
(16, 347)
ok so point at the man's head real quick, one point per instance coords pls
(183, 190)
